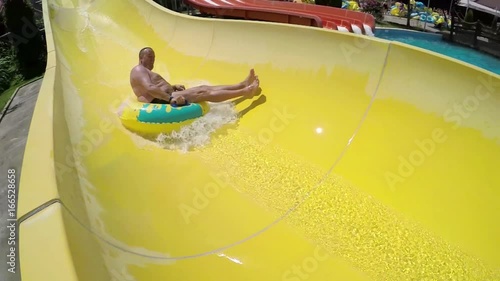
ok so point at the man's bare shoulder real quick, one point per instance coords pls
(138, 70)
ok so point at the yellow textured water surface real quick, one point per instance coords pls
(353, 163)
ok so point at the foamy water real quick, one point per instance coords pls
(198, 133)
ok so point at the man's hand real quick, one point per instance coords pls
(178, 87)
(179, 100)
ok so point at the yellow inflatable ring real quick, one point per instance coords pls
(153, 119)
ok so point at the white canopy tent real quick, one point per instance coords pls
(470, 4)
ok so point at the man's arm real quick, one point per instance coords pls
(141, 77)
(178, 87)
(161, 82)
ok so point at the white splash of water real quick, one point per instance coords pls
(197, 134)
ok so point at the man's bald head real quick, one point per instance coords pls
(144, 51)
(147, 57)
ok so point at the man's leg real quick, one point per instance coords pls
(227, 87)
(245, 83)
(208, 94)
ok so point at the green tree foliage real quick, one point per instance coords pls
(469, 17)
(373, 7)
(29, 46)
(8, 67)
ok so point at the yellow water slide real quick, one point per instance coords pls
(360, 159)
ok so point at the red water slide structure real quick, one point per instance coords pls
(288, 12)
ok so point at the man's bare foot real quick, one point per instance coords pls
(252, 89)
(250, 78)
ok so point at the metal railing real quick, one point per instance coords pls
(475, 35)
(478, 31)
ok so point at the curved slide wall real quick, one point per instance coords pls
(352, 164)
